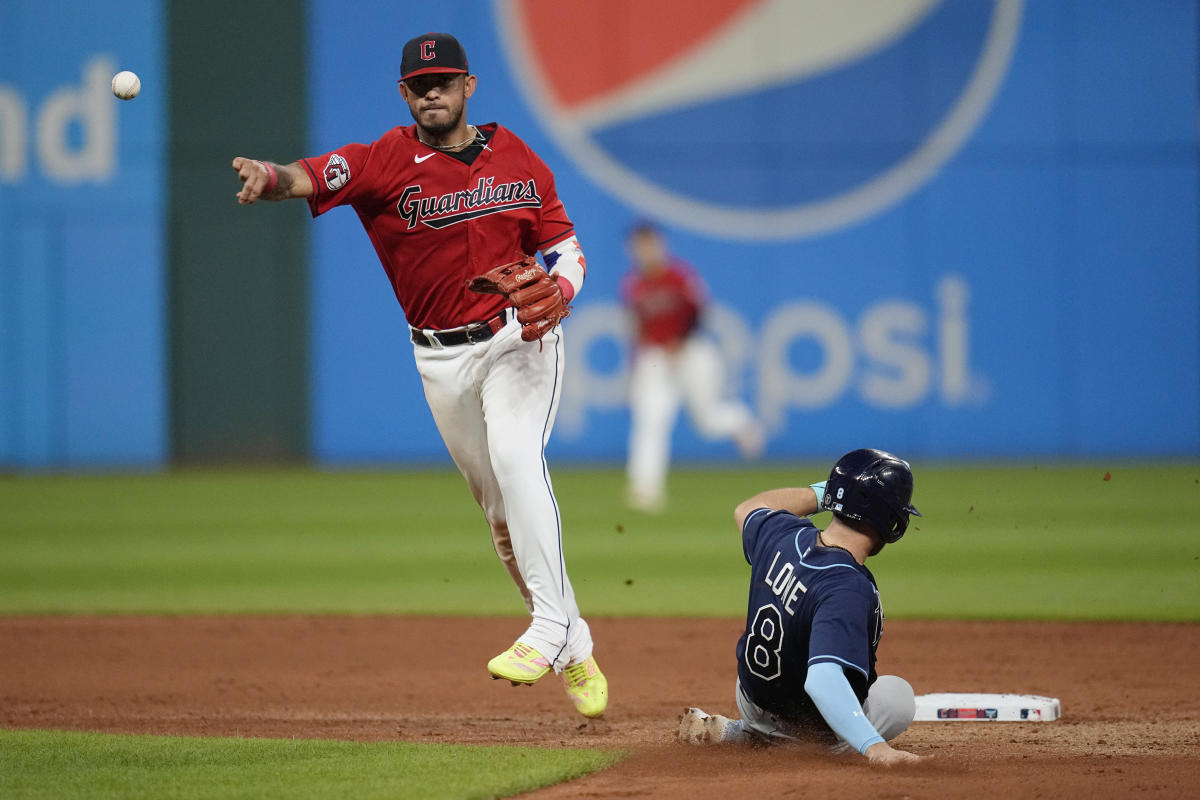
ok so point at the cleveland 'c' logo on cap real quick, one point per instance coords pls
(427, 50)
(761, 119)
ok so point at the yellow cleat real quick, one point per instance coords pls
(587, 687)
(519, 664)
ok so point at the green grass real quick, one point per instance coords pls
(52, 764)
(1051, 543)
(996, 542)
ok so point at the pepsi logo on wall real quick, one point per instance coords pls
(760, 119)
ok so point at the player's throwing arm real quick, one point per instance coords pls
(268, 181)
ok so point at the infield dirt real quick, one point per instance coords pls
(1130, 727)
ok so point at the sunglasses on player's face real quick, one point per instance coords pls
(421, 85)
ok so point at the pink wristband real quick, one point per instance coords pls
(568, 290)
(272, 178)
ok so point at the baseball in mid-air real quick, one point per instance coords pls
(126, 85)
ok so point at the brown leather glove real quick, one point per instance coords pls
(535, 295)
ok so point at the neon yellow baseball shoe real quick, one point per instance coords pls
(519, 664)
(587, 687)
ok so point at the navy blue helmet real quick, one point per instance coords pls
(874, 487)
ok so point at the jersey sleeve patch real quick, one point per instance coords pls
(337, 172)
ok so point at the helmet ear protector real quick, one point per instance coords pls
(874, 487)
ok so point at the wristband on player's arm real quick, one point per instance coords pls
(826, 684)
(566, 265)
(568, 288)
(819, 491)
(272, 175)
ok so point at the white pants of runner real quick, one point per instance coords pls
(890, 706)
(662, 379)
(494, 403)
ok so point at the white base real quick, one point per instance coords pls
(983, 707)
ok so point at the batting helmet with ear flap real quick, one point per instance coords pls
(874, 487)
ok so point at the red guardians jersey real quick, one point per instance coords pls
(666, 305)
(437, 222)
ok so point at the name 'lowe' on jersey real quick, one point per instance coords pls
(808, 604)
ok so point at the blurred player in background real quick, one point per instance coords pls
(806, 660)
(673, 362)
(442, 202)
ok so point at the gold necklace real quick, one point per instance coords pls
(463, 143)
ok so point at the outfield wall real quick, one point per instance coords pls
(970, 233)
(959, 229)
(82, 280)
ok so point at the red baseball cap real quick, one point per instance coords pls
(433, 52)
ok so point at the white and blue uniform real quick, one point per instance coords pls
(806, 661)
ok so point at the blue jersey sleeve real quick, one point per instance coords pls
(766, 525)
(750, 529)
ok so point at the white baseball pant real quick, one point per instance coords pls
(494, 403)
(890, 706)
(660, 381)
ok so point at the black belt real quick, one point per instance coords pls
(474, 333)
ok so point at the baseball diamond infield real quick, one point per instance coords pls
(1130, 727)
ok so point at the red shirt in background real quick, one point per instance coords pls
(666, 304)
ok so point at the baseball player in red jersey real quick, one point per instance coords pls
(444, 202)
(673, 362)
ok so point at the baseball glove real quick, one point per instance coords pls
(532, 291)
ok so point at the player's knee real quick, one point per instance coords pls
(891, 705)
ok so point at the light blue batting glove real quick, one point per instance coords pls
(819, 490)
